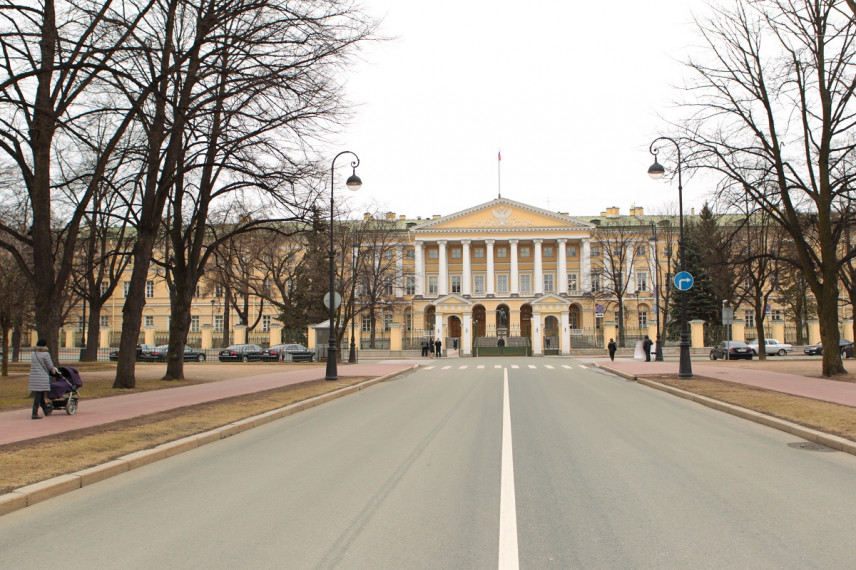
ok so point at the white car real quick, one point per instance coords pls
(773, 347)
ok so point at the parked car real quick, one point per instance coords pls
(731, 350)
(279, 352)
(143, 352)
(773, 347)
(241, 352)
(158, 354)
(844, 345)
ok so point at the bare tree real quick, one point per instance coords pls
(774, 117)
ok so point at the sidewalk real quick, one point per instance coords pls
(834, 391)
(16, 425)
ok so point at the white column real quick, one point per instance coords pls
(515, 278)
(539, 270)
(419, 268)
(585, 265)
(566, 332)
(438, 328)
(467, 277)
(489, 278)
(399, 271)
(537, 342)
(467, 339)
(563, 265)
(443, 285)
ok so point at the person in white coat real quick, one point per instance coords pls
(41, 368)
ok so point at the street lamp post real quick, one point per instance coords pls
(656, 171)
(658, 351)
(353, 183)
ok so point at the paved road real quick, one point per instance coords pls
(411, 474)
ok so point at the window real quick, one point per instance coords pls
(150, 289)
(549, 283)
(150, 321)
(126, 286)
(640, 251)
(105, 321)
(218, 290)
(387, 254)
(409, 285)
(105, 287)
(596, 282)
(548, 251)
(387, 321)
(408, 321)
(478, 284)
(197, 292)
(194, 323)
(616, 250)
(265, 323)
(502, 283)
(571, 251)
(366, 324)
(456, 253)
(410, 254)
(501, 252)
(641, 281)
(595, 251)
(388, 287)
(218, 323)
(749, 317)
(643, 319)
(433, 254)
(525, 251)
(776, 315)
(573, 282)
(456, 283)
(80, 324)
(525, 283)
(478, 253)
(432, 284)
(667, 251)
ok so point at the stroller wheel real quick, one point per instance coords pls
(49, 408)
(71, 407)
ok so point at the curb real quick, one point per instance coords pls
(809, 434)
(44, 490)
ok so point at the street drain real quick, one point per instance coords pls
(808, 446)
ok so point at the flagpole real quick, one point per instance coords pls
(499, 173)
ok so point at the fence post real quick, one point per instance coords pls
(207, 337)
(778, 330)
(697, 333)
(275, 333)
(149, 334)
(813, 331)
(738, 330)
(240, 332)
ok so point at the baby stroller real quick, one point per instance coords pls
(63, 393)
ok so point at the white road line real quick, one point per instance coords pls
(515, 366)
(497, 365)
(548, 366)
(480, 366)
(508, 557)
(567, 366)
(583, 366)
(446, 367)
(429, 368)
(532, 366)
(464, 367)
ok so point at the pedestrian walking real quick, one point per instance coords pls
(431, 348)
(41, 369)
(437, 347)
(424, 347)
(646, 346)
(611, 347)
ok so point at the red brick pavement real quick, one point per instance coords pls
(17, 426)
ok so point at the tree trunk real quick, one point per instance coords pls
(93, 334)
(180, 306)
(829, 334)
(132, 312)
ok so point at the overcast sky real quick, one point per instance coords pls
(571, 93)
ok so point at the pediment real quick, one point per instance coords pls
(502, 215)
(549, 301)
(452, 301)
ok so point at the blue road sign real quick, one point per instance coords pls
(683, 281)
(599, 309)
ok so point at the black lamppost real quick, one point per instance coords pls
(658, 351)
(656, 171)
(353, 183)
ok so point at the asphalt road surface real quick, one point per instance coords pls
(467, 463)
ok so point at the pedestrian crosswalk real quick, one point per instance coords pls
(501, 366)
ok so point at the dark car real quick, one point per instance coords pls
(731, 350)
(158, 354)
(143, 352)
(241, 352)
(280, 352)
(844, 345)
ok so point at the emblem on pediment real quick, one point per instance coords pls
(502, 218)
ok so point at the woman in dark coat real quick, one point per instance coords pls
(612, 348)
(41, 368)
